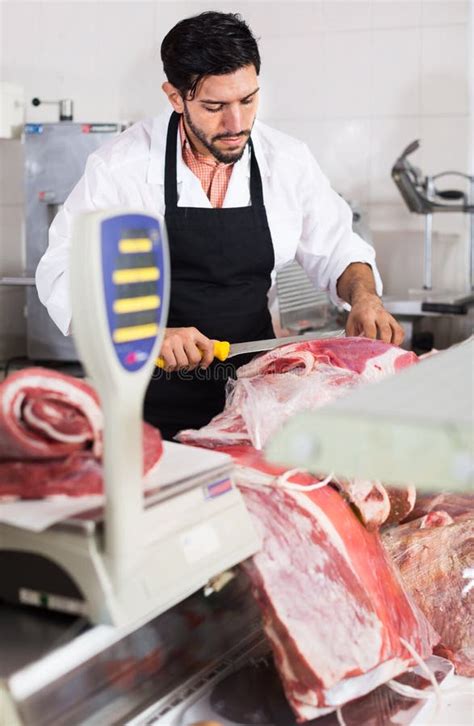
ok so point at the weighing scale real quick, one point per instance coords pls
(136, 560)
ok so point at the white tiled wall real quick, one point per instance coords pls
(357, 80)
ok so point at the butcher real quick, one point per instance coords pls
(240, 200)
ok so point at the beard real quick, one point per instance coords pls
(229, 157)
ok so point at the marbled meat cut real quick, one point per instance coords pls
(307, 375)
(435, 556)
(334, 609)
(51, 436)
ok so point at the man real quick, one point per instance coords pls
(239, 200)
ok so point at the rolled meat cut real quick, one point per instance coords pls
(51, 436)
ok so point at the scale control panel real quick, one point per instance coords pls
(133, 280)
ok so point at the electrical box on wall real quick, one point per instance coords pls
(12, 105)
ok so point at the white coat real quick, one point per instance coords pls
(308, 220)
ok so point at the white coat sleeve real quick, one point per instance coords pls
(95, 190)
(327, 244)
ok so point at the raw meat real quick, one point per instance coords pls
(456, 505)
(47, 415)
(333, 607)
(378, 503)
(371, 358)
(435, 555)
(295, 377)
(51, 436)
(402, 500)
(291, 378)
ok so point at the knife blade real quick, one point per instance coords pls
(223, 349)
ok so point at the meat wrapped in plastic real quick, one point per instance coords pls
(334, 609)
(292, 378)
(301, 376)
(253, 694)
(435, 556)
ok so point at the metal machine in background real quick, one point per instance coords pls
(55, 156)
(422, 196)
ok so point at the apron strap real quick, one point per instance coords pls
(256, 190)
(171, 183)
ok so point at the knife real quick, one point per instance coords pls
(224, 349)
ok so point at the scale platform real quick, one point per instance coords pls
(194, 526)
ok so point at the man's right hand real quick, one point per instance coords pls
(186, 348)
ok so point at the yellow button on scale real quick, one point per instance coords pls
(136, 304)
(135, 274)
(135, 332)
(139, 244)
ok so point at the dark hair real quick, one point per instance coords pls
(209, 44)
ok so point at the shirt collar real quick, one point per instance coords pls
(186, 147)
(156, 164)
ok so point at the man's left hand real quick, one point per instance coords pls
(369, 318)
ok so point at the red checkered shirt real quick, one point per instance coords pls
(213, 175)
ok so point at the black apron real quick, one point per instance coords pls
(221, 263)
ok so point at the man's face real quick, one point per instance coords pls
(220, 117)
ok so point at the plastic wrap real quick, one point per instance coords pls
(334, 609)
(267, 401)
(293, 378)
(302, 376)
(435, 556)
(253, 695)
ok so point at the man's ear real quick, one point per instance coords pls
(174, 96)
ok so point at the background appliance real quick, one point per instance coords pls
(55, 156)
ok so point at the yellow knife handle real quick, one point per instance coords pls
(221, 352)
(221, 349)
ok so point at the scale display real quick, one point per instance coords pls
(132, 269)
